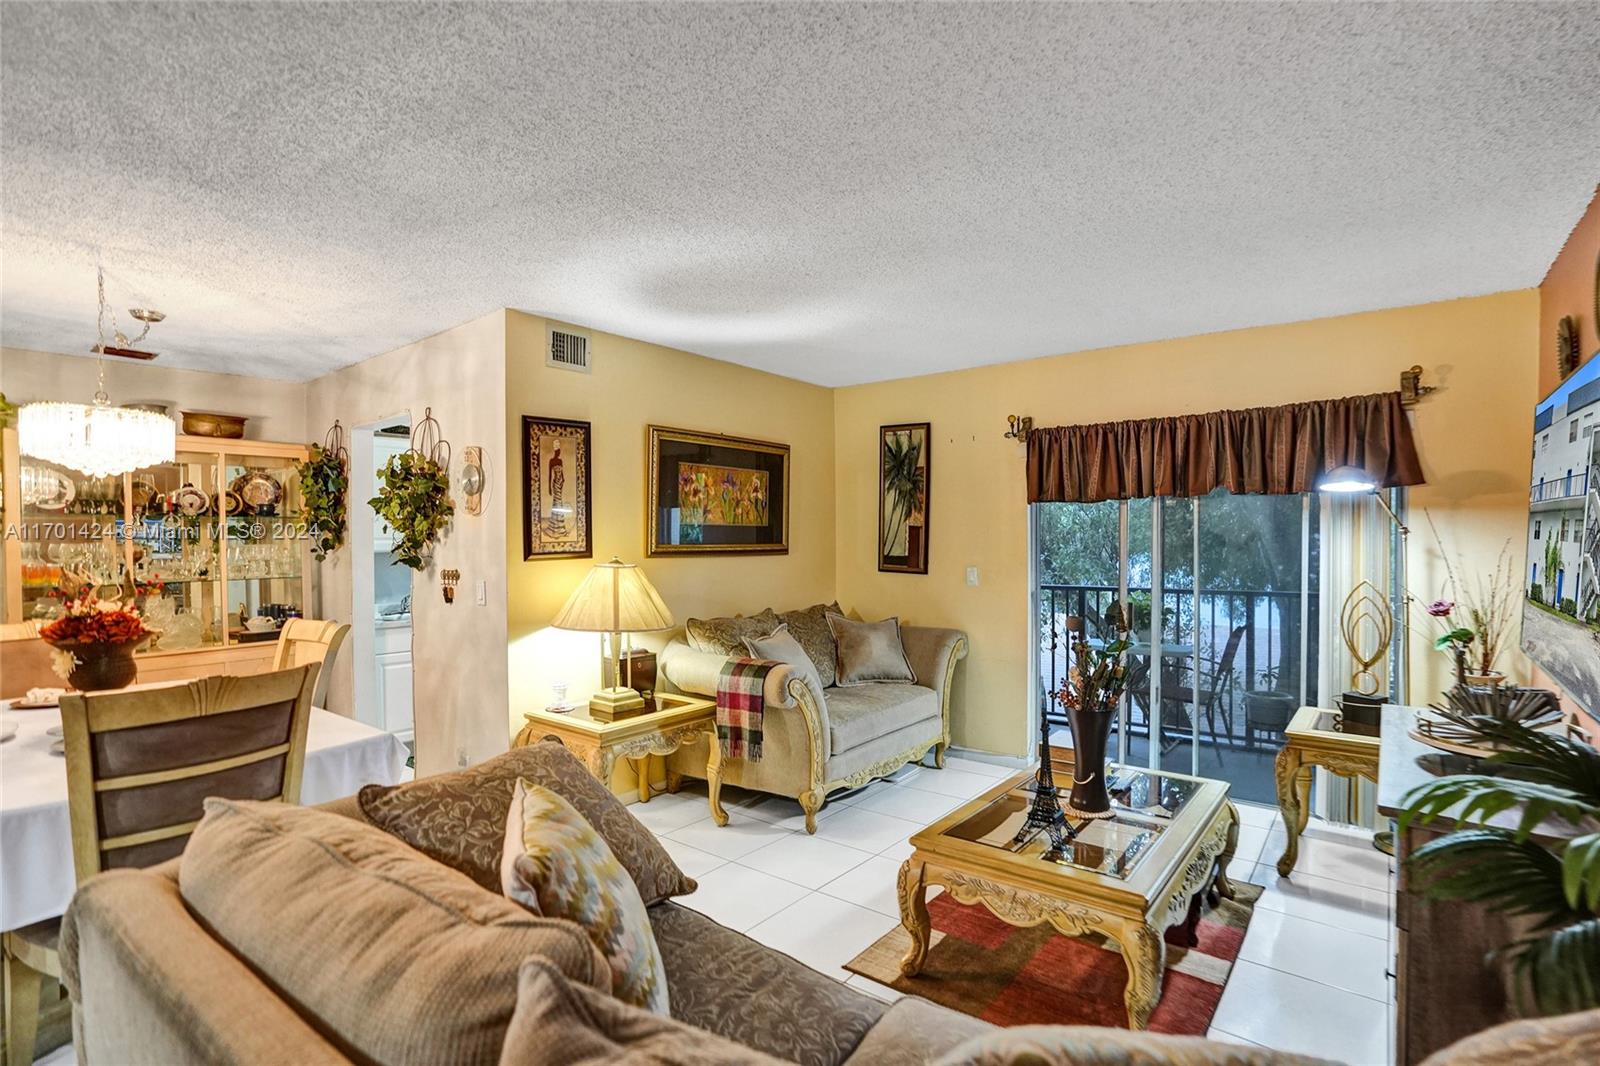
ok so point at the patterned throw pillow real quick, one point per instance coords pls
(781, 647)
(870, 651)
(561, 1023)
(810, 628)
(556, 865)
(459, 818)
(726, 636)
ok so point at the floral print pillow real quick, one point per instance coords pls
(555, 864)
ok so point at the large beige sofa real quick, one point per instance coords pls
(151, 982)
(821, 741)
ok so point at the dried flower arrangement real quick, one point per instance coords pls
(1475, 620)
(87, 620)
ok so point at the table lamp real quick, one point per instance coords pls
(615, 598)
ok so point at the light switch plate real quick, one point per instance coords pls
(483, 594)
(972, 576)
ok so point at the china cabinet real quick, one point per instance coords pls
(214, 543)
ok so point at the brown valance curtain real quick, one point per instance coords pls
(1277, 450)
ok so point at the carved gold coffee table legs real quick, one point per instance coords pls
(1144, 951)
(914, 916)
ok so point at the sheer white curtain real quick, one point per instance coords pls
(1358, 544)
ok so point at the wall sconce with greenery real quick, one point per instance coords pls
(324, 485)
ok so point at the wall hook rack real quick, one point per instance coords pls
(1021, 426)
(448, 579)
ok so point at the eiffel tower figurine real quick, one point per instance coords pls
(1045, 811)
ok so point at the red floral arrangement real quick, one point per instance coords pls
(88, 620)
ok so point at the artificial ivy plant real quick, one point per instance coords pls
(324, 483)
(415, 501)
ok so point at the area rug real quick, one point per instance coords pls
(979, 965)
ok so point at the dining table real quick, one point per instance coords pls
(36, 871)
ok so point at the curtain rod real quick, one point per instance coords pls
(1412, 390)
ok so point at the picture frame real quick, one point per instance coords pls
(711, 494)
(905, 478)
(557, 507)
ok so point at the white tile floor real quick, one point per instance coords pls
(1311, 976)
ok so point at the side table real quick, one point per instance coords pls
(1312, 739)
(676, 721)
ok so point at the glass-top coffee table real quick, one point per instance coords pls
(1128, 877)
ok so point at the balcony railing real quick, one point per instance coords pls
(1561, 488)
(1270, 644)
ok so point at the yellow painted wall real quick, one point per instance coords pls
(634, 385)
(1473, 435)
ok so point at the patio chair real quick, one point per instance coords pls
(1215, 684)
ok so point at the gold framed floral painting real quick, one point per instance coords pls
(904, 476)
(556, 510)
(710, 494)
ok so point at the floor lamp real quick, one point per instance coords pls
(1355, 481)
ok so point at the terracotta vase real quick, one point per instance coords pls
(1090, 732)
(102, 666)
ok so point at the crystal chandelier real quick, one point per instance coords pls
(96, 438)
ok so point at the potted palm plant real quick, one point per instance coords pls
(1550, 883)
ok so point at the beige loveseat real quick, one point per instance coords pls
(820, 741)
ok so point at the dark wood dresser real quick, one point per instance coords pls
(1445, 988)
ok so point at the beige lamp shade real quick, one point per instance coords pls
(616, 597)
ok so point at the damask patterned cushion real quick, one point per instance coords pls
(726, 636)
(870, 651)
(730, 985)
(459, 818)
(559, 1023)
(810, 628)
(556, 865)
(781, 647)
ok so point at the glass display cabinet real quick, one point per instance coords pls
(213, 544)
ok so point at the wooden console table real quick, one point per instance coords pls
(676, 721)
(1312, 740)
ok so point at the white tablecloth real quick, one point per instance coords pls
(36, 875)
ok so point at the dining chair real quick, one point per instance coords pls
(24, 660)
(140, 764)
(307, 640)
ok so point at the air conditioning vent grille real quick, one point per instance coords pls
(568, 350)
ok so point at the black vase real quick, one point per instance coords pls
(1090, 732)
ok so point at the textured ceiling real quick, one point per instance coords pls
(835, 192)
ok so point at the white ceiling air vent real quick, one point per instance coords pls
(568, 348)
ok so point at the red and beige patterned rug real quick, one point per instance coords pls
(981, 966)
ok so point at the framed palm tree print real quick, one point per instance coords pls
(904, 476)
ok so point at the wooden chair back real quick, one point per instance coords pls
(307, 640)
(141, 762)
(24, 660)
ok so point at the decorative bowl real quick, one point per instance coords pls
(211, 424)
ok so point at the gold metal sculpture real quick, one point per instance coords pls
(1367, 626)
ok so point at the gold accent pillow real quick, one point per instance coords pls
(556, 865)
(870, 651)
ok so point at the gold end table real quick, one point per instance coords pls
(675, 721)
(1315, 739)
(1127, 877)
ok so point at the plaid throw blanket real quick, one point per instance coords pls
(740, 705)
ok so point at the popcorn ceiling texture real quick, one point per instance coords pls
(835, 192)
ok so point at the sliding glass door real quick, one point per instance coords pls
(1221, 592)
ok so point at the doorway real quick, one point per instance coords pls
(1220, 594)
(381, 619)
